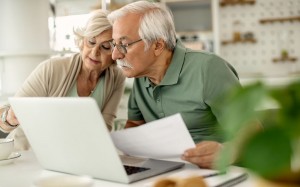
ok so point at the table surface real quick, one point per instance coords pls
(23, 171)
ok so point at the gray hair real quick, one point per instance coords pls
(96, 24)
(156, 22)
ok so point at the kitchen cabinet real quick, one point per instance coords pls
(193, 22)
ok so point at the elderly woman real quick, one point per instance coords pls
(90, 73)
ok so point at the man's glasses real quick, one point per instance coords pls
(122, 48)
(104, 47)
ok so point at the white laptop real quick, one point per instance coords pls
(69, 135)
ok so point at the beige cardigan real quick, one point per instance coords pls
(55, 77)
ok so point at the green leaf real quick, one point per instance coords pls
(267, 153)
(239, 108)
(289, 114)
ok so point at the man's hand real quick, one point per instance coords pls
(204, 154)
(131, 123)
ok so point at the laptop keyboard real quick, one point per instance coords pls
(130, 160)
(133, 169)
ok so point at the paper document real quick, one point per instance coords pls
(211, 177)
(163, 138)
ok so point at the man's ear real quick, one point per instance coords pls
(159, 46)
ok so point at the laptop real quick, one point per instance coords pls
(69, 135)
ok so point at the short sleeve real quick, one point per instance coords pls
(220, 79)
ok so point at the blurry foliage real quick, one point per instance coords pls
(268, 153)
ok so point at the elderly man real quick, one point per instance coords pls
(170, 78)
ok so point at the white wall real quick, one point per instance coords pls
(256, 59)
(24, 37)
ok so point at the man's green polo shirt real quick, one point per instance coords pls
(191, 86)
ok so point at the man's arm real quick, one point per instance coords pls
(131, 123)
(206, 152)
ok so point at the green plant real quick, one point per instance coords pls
(268, 152)
(284, 54)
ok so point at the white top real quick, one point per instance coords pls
(24, 171)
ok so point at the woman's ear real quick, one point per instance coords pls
(159, 46)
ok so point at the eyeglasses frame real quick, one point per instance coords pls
(122, 48)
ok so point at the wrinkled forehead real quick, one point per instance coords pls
(126, 27)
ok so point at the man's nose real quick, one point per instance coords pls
(116, 54)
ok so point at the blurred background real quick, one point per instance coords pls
(260, 38)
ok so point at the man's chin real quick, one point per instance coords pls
(127, 72)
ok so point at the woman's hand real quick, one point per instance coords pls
(204, 154)
(10, 122)
(11, 118)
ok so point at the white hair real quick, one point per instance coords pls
(156, 21)
(96, 24)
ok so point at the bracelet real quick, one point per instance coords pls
(3, 118)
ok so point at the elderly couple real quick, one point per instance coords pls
(169, 78)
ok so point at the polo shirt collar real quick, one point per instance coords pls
(172, 75)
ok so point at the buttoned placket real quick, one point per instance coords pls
(158, 99)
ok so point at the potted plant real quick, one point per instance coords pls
(274, 152)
